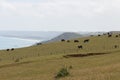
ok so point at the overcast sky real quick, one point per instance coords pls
(60, 15)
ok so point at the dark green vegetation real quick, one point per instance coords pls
(42, 62)
(62, 73)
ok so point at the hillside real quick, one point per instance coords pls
(66, 36)
(42, 62)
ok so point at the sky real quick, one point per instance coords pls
(60, 15)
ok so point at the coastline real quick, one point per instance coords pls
(21, 38)
(16, 42)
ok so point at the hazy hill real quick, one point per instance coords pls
(72, 35)
(66, 36)
(44, 35)
(115, 32)
(91, 33)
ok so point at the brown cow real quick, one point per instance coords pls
(116, 36)
(7, 49)
(116, 46)
(109, 35)
(62, 40)
(39, 43)
(76, 40)
(80, 47)
(99, 35)
(12, 49)
(87, 40)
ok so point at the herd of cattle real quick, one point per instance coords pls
(77, 41)
(109, 34)
(10, 49)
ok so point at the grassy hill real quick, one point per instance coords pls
(66, 36)
(42, 62)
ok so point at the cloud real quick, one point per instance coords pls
(92, 14)
(59, 7)
(53, 8)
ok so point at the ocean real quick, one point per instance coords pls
(10, 42)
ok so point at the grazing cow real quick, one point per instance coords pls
(12, 49)
(116, 36)
(116, 46)
(109, 35)
(62, 40)
(39, 43)
(87, 40)
(80, 47)
(8, 50)
(76, 40)
(99, 35)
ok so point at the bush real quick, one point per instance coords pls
(62, 73)
(17, 60)
(70, 67)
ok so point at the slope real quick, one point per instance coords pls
(42, 62)
(66, 36)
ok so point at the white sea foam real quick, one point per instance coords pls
(12, 42)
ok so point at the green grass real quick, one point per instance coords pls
(44, 61)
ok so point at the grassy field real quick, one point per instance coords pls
(42, 62)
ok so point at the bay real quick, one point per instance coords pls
(10, 42)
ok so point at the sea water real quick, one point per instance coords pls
(9, 42)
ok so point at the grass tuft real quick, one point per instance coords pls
(17, 60)
(62, 73)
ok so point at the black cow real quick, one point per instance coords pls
(99, 35)
(39, 43)
(116, 36)
(87, 40)
(109, 35)
(8, 50)
(76, 40)
(116, 46)
(80, 47)
(62, 40)
(12, 49)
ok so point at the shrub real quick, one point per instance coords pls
(21, 58)
(68, 40)
(17, 60)
(70, 67)
(62, 73)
